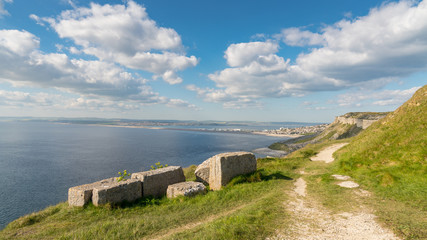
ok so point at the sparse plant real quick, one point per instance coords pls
(122, 176)
(157, 166)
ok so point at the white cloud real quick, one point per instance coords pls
(98, 82)
(126, 35)
(365, 53)
(379, 98)
(228, 100)
(241, 54)
(179, 103)
(2, 10)
(43, 100)
(19, 43)
(296, 37)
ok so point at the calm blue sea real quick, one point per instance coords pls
(39, 161)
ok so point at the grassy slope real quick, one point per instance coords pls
(390, 159)
(258, 198)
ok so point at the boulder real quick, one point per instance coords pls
(156, 182)
(117, 192)
(202, 172)
(225, 166)
(185, 189)
(81, 195)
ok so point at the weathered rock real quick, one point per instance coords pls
(202, 172)
(156, 182)
(117, 192)
(81, 195)
(185, 189)
(223, 167)
(348, 184)
(341, 177)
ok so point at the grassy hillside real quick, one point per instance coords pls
(250, 207)
(390, 158)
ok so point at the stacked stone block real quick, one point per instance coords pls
(156, 182)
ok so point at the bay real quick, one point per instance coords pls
(39, 161)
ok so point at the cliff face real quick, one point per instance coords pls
(345, 126)
(361, 120)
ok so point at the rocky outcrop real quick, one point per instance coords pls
(362, 123)
(187, 189)
(202, 172)
(117, 192)
(223, 167)
(360, 119)
(156, 182)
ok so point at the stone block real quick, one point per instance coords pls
(187, 189)
(202, 172)
(117, 192)
(225, 166)
(81, 195)
(156, 182)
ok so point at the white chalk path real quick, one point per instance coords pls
(311, 221)
(326, 154)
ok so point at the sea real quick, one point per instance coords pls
(39, 161)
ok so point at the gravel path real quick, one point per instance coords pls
(310, 221)
(326, 154)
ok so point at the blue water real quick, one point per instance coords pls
(39, 161)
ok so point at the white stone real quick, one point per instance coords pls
(225, 166)
(156, 182)
(202, 172)
(81, 195)
(117, 192)
(185, 189)
(348, 184)
(341, 177)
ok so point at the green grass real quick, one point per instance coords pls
(189, 173)
(261, 194)
(390, 159)
(279, 146)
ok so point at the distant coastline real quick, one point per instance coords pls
(237, 131)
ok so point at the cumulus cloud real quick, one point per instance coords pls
(380, 98)
(35, 100)
(241, 54)
(297, 37)
(366, 52)
(2, 10)
(124, 34)
(98, 82)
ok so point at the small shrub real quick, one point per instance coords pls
(122, 176)
(308, 153)
(157, 166)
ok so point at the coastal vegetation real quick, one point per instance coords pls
(243, 210)
(123, 176)
(388, 160)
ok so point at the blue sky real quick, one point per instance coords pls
(303, 61)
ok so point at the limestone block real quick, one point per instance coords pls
(202, 172)
(117, 192)
(185, 189)
(81, 195)
(156, 182)
(225, 166)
